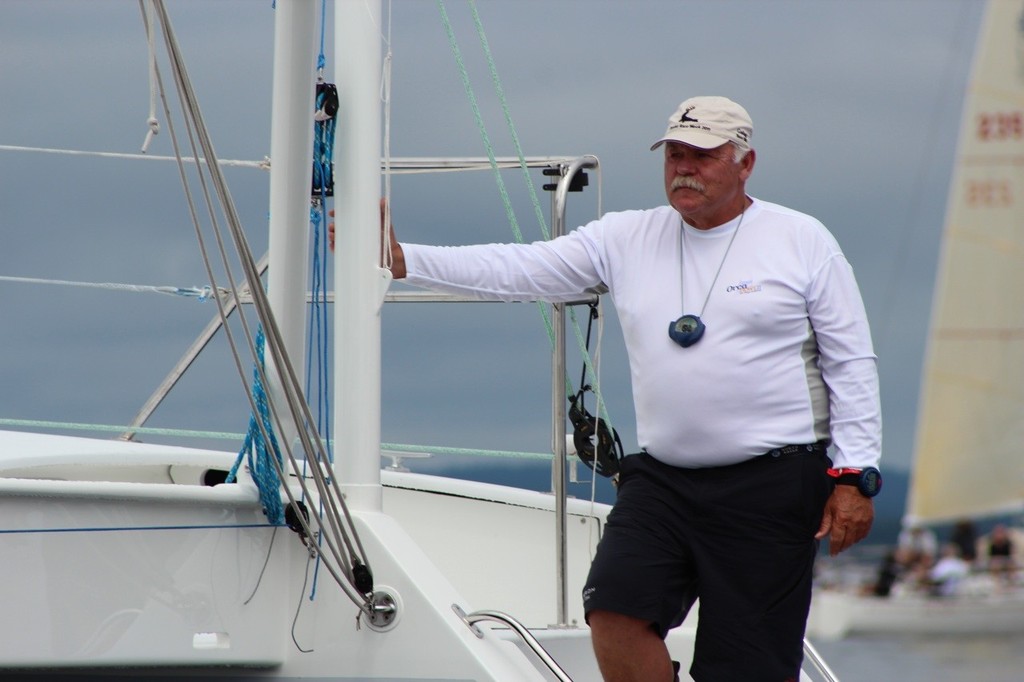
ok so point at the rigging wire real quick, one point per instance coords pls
(344, 556)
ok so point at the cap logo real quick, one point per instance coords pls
(685, 117)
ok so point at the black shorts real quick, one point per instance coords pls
(740, 538)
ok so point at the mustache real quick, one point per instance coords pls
(683, 182)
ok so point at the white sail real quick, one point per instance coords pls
(969, 458)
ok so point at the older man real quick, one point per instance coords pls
(767, 360)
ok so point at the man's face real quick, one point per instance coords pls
(705, 185)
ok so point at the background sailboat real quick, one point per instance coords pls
(968, 461)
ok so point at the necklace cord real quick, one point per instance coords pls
(682, 233)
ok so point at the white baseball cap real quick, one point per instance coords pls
(709, 122)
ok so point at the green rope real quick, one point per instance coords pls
(513, 222)
(506, 110)
(510, 214)
(502, 190)
(76, 426)
(398, 448)
(222, 435)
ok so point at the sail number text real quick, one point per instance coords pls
(998, 126)
(989, 193)
(1002, 125)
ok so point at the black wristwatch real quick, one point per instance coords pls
(867, 480)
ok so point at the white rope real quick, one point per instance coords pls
(154, 125)
(263, 165)
(385, 92)
(410, 166)
(202, 293)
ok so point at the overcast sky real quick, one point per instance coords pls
(855, 105)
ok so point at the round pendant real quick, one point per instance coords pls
(686, 331)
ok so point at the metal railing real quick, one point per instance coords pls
(811, 654)
(515, 626)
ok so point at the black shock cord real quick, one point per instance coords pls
(597, 445)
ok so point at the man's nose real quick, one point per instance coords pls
(683, 165)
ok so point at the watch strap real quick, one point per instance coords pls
(846, 475)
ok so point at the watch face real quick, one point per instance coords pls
(870, 482)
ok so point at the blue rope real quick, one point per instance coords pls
(318, 338)
(324, 123)
(323, 146)
(263, 471)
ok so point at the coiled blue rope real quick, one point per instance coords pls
(255, 449)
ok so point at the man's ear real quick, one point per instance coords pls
(747, 163)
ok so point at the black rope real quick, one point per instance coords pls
(597, 444)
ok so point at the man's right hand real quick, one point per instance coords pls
(397, 255)
(397, 265)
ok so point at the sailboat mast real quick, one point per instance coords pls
(359, 281)
(291, 149)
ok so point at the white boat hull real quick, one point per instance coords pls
(115, 557)
(836, 614)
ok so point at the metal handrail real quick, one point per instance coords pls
(471, 619)
(559, 397)
(497, 616)
(815, 658)
(416, 296)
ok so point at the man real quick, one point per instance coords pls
(767, 360)
(949, 571)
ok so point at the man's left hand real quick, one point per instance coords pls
(847, 518)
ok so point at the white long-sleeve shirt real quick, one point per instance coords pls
(786, 357)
